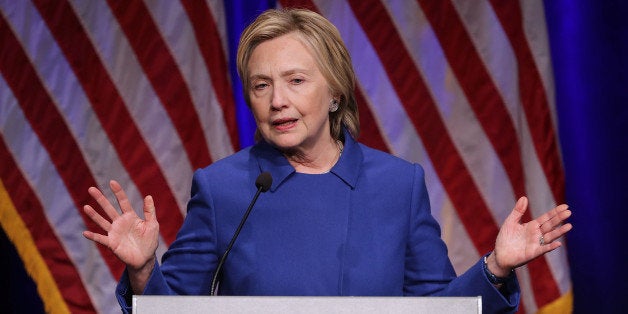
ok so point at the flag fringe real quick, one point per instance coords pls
(34, 264)
(562, 305)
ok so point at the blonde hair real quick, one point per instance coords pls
(325, 42)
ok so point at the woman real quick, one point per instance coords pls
(340, 218)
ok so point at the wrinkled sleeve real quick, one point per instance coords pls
(428, 270)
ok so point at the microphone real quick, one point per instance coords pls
(262, 183)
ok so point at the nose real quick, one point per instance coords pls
(279, 98)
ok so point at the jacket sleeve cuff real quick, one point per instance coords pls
(156, 285)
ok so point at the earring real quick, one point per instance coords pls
(333, 105)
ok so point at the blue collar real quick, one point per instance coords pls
(272, 160)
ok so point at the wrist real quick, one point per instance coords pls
(495, 274)
(138, 276)
(146, 266)
(495, 267)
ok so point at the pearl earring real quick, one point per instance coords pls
(333, 105)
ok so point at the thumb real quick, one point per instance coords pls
(149, 209)
(520, 208)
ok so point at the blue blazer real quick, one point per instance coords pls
(363, 229)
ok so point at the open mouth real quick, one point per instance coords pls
(284, 123)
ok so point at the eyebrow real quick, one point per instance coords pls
(282, 74)
(297, 70)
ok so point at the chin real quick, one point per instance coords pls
(284, 141)
(285, 146)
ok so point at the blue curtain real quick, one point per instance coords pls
(589, 42)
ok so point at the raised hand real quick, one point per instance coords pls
(518, 243)
(133, 240)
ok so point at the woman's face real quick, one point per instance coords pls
(289, 95)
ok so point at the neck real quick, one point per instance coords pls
(316, 163)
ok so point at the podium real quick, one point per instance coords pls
(252, 304)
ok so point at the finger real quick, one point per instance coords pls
(557, 233)
(103, 223)
(104, 203)
(556, 221)
(96, 237)
(553, 218)
(149, 209)
(551, 213)
(123, 200)
(549, 247)
(520, 208)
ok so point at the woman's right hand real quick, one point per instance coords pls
(132, 239)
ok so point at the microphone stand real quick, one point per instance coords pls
(262, 183)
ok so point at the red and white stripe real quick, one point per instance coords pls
(140, 92)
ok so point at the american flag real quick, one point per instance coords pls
(141, 92)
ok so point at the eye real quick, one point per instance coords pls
(297, 81)
(260, 86)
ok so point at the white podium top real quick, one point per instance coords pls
(251, 304)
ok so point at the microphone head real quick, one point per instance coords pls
(264, 181)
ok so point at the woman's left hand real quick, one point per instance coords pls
(518, 243)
